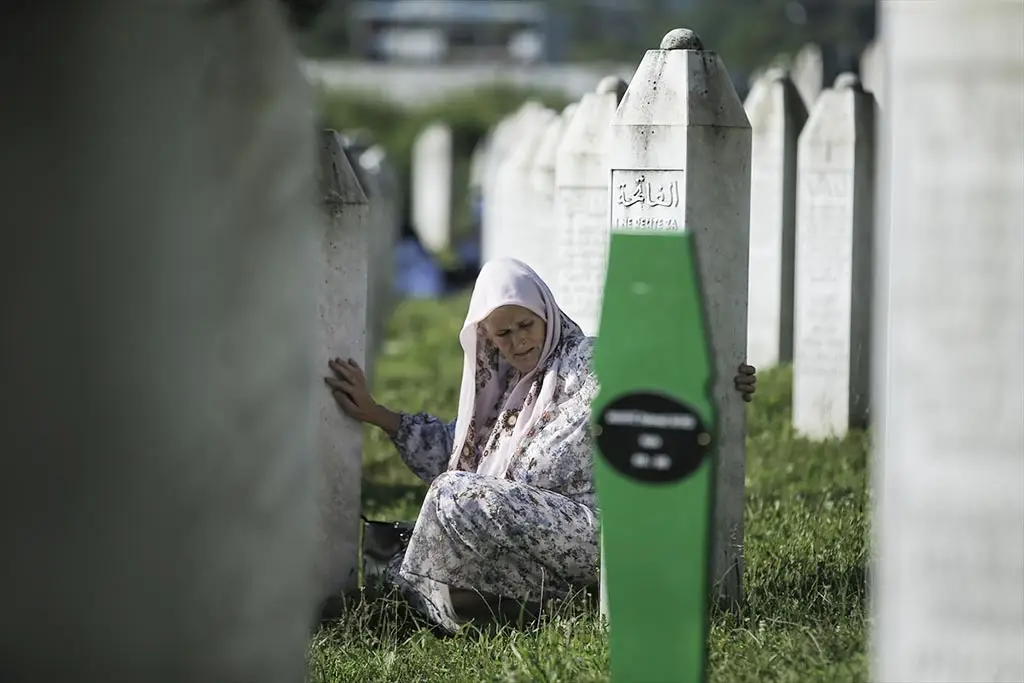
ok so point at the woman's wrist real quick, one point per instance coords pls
(386, 419)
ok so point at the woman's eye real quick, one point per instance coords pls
(526, 324)
(503, 333)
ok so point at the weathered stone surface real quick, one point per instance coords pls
(680, 159)
(342, 283)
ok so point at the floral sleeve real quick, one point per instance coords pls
(425, 444)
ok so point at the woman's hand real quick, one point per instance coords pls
(746, 381)
(348, 386)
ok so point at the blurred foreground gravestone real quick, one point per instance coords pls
(342, 281)
(948, 592)
(157, 498)
(681, 161)
(834, 243)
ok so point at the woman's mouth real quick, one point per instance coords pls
(524, 354)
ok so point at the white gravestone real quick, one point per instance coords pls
(538, 236)
(504, 139)
(370, 166)
(948, 592)
(581, 205)
(682, 161)
(432, 186)
(157, 500)
(833, 262)
(872, 70)
(777, 115)
(342, 281)
(516, 202)
(808, 73)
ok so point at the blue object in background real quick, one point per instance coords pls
(417, 273)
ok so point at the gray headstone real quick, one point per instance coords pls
(947, 589)
(836, 200)
(157, 500)
(342, 281)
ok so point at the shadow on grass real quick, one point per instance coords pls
(391, 496)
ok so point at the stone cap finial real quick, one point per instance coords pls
(681, 39)
(847, 80)
(612, 84)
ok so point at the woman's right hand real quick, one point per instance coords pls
(348, 386)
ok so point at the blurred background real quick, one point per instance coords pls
(387, 69)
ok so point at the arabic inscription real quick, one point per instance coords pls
(647, 200)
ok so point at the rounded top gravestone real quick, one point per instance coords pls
(681, 39)
(613, 84)
(847, 80)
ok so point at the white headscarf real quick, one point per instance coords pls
(504, 282)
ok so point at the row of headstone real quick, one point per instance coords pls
(811, 221)
(950, 451)
(810, 224)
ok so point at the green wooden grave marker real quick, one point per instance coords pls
(654, 425)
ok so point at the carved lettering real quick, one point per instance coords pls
(647, 200)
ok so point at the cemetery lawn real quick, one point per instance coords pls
(805, 616)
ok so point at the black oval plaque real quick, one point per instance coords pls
(652, 437)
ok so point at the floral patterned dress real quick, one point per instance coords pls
(531, 535)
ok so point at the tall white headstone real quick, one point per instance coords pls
(835, 223)
(582, 205)
(949, 453)
(538, 236)
(342, 281)
(872, 70)
(157, 497)
(504, 139)
(808, 73)
(432, 186)
(370, 165)
(680, 160)
(777, 115)
(516, 202)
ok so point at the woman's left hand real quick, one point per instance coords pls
(746, 381)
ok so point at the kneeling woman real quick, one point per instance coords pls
(511, 509)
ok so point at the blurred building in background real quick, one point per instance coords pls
(522, 31)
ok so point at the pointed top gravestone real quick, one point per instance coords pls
(680, 159)
(342, 296)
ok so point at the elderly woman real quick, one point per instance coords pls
(511, 509)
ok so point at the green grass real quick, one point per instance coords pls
(804, 618)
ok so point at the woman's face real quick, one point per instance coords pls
(519, 335)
